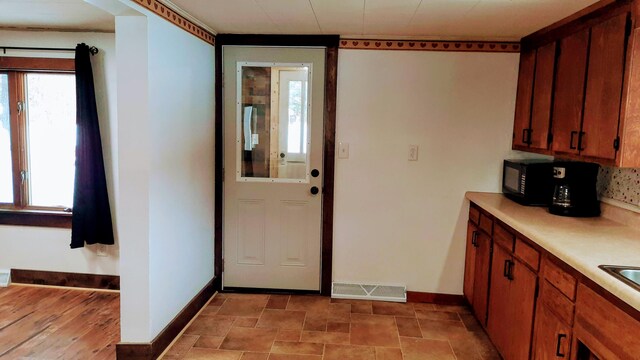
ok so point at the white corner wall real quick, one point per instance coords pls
(39, 248)
(404, 222)
(166, 146)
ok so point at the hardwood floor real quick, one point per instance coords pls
(58, 323)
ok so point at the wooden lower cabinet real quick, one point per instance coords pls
(511, 305)
(481, 277)
(552, 337)
(470, 261)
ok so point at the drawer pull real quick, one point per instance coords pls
(474, 239)
(559, 345)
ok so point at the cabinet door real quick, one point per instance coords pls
(470, 261)
(552, 338)
(569, 92)
(523, 98)
(521, 308)
(542, 91)
(604, 88)
(481, 277)
(499, 324)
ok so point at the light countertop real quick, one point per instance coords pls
(583, 243)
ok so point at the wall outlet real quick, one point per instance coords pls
(102, 250)
(343, 150)
(413, 152)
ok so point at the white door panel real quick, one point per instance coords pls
(272, 223)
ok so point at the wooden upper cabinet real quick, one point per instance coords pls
(522, 120)
(542, 93)
(604, 88)
(569, 92)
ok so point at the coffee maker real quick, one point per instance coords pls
(575, 192)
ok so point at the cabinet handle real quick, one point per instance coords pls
(505, 272)
(474, 239)
(560, 337)
(581, 135)
(526, 136)
(571, 146)
(510, 272)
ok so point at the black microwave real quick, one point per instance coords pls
(528, 182)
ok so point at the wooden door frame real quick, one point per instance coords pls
(330, 42)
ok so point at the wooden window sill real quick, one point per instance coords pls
(54, 219)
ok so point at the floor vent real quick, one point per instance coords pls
(5, 277)
(369, 292)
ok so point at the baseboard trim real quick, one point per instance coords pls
(435, 298)
(150, 351)
(55, 278)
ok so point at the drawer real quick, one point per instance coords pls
(556, 302)
(527, 254)
(503, 237)
(474, 215)
(486, 224)
(559, 278)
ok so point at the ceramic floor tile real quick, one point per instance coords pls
(442, 330)
(423, 306)
(288, 335)
(217, 301)
(362, 308)
(281, 319)
(470, 322)
(349, 352)
(182, 345)
(315, 324)
(308, 303)
(460, 309)
(465, 348)
(254, 356)
(324, 337)
(250, 307)
(423, 349)
(293, 357)
(388, 354)
(373, 319)
(390, 308)
(210, 310)
(211, 354)
(374, 335)
(437, 315)
(408, 327)
(291, 347)
(278, 302)
(209, 325)
(211, 342)
(247, 339)
(342, 327)
(245, 322)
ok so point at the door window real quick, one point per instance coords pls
(273, 122)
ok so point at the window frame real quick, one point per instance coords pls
(20, 212)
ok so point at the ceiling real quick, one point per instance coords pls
(424, 19)
(438, 19)
(54, 14)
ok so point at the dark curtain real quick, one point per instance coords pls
(91, 222)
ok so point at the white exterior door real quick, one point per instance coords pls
(273, 138)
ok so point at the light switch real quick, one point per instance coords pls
(343, 150)
(413, 152)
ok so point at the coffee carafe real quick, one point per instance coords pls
(575, 192)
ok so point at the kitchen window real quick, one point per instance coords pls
(37, 141)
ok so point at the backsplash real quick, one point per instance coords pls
(620, 184)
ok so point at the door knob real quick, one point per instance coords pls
(282, 155)
(314, 190)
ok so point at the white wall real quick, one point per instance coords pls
(45, 248)
(166, 174)
(404, 222)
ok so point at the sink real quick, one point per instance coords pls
(628, 274)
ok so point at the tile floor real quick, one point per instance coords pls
(282, 327)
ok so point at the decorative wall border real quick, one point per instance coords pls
(426, 45)
(172, 16)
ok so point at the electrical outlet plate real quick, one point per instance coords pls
(413, 152)
(343, 150)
